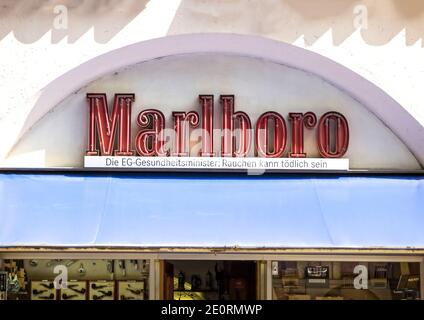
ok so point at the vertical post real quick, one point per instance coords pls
(268, 275)
(158, 279)
(152, 278)
(422, 279)
(3, 295)
(261, 280)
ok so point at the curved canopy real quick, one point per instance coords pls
(393, 115)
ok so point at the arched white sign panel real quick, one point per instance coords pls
(169, 74)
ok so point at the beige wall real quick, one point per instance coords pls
(33, 52)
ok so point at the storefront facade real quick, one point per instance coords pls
(214, 167)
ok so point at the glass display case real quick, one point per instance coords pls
(307, 280)
(90, 279)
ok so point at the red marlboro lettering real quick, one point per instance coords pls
(270, 131)
(182, 122)
(105, 124)
(229, 119)
(298, 120)
(263, 135)
(150, 140)
(333, 143)
(206, 102)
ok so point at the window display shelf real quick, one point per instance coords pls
(195, 290)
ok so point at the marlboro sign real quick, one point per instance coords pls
(189, 144)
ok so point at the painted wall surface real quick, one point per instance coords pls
(382, 40)
(170, 84)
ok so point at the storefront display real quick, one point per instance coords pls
(43, 290)
(102, 290)
(131, 290)
(76, 290)
(82, 280)
(346, 281)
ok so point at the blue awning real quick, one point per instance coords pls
(211, 211)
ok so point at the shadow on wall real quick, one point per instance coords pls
(289, 20)
(285, 20)
(30, 20)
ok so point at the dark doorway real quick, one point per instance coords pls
(209, 280)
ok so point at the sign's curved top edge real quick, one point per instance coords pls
(390, 112)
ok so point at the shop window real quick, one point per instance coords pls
(302, 280)
(41, 279)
